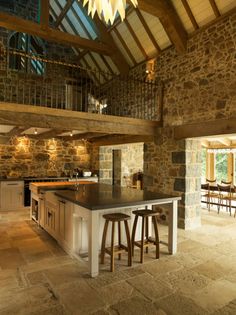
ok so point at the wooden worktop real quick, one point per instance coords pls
(36, 187)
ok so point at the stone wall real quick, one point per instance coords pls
(131, 163)
(22, 156)
(199, 85)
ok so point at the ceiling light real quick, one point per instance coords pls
(71, 133)
(107, 9)
(35, 131)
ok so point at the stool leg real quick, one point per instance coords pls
(112, 246)
(147, 232)
(133, 233)
(119, 238)
(104, 241)
(142, 240)
(128, 243)
(154, 220)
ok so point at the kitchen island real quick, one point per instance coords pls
(91, 202)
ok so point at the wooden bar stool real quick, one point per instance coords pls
(116, 217)
(145, 214)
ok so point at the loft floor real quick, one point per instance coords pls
(37, 277)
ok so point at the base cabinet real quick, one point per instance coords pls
(12, 193)
(65, 229)
(51, 219)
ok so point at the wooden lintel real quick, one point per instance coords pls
(20, 25)
(204, 129)
(120, 139)
(43, 117)
(44, 13)
(164, 10)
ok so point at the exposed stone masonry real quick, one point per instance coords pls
(199, 85)
(131, 162)
(28, 157)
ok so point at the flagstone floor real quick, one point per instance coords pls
(38, 278)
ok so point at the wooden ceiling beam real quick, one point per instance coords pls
(215, 8)
(16, 131)
(44, 14)
(164, 10)
(204, 129)
(84, 136)
(120, 139)
(43, 117)
(136, 39)
(63, 12)
(125, 46)
(205, 143)
(116, 56)
(224, 141)
(190, 14)
(147, 29)
(49, 134)
(20, 25)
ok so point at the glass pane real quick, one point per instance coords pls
(203, 161)
(221, 165)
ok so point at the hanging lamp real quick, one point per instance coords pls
(107, 9)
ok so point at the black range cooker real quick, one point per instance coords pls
(28, 180)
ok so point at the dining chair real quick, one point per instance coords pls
(225, 194)
(205, 194)
(213, 190)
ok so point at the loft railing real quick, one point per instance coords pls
(35, 80)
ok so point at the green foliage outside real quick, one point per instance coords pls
(221, 165)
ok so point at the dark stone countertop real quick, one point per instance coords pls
(102, 196)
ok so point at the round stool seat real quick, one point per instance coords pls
(145, 212)
(116, 217)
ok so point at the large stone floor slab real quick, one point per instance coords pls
(38, 278)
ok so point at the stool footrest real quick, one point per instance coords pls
(146, 243)
(117, 249)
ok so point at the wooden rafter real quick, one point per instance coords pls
(16, 131)
(64, 12)
(83, 136)
(49, 134)
(20, 25)
(117, 57)
(125, 46)
(97, 66)
(135, 37)
(164, 10)
(215, 8)
(44, 13)
(92, 73)
(190, 14)
(107, 64)
(147, 29)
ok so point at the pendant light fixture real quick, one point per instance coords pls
(107, 9)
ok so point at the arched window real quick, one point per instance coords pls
(32, 45)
